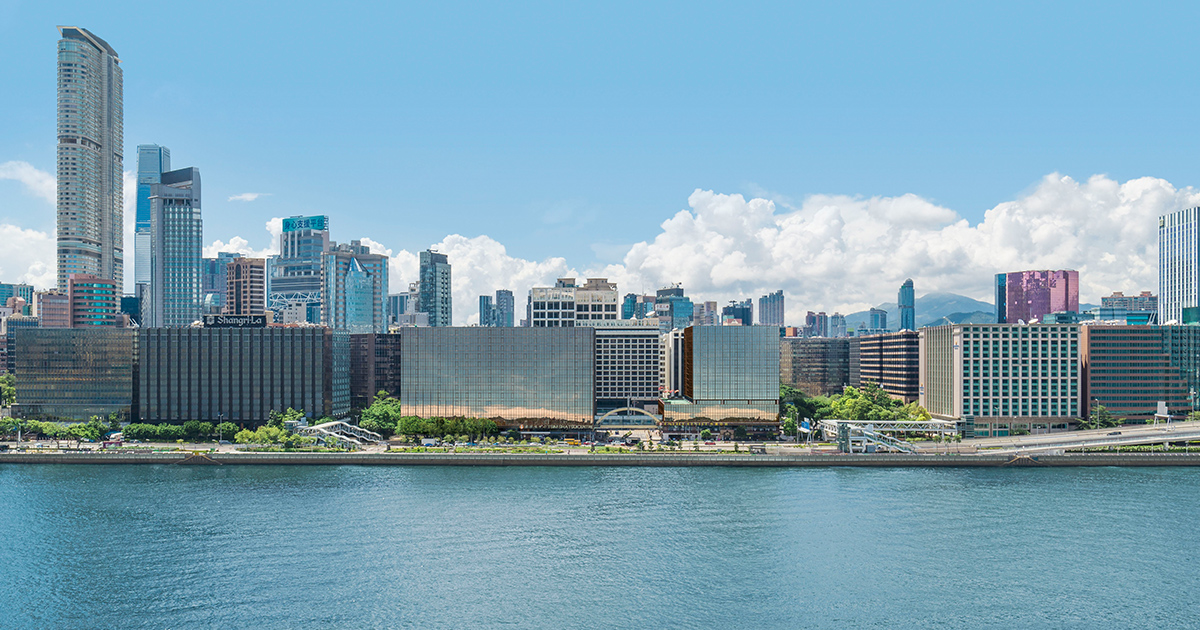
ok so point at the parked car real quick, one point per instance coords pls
(1115, 433)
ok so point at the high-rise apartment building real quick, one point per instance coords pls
(152, 162)
(354, 289)
(436, 298)
(1179, 267)
(246, 287)
(296, 272)
(907, 301)
(1025, 296)
(878, 319)
(837, 325)
(816, 324)
(770, 309)
(90, 162)
(94, 301)
(173, 298)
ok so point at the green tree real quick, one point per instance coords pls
(226, 430)
(8, 390)
(705, 434)
(1099, 418)
(790, 427)
(191, 430)
(739, 433)
(383, 416)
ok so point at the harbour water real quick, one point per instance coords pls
(458, 547)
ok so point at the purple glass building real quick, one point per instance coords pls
(1029, 295)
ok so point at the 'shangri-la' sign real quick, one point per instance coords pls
(235, 321)
(291, 224)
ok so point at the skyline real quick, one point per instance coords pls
(827, 251)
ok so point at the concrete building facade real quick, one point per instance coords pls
(996, 379)
(891, 360)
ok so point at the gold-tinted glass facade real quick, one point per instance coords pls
(69, 373)
(531, 377)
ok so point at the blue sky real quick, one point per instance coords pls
(575, 131)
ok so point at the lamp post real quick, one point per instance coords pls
(220, 420)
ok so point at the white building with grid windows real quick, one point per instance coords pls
(627, 364)
(566, 305)
(1001, 379)
(1179, 266)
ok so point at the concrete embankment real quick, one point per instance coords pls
(632, 459)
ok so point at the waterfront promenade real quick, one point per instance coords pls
(770, 460)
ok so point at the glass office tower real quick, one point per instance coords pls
(152, 162)
(90, 147)
(176, 245)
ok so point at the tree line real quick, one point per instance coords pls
(384, 417)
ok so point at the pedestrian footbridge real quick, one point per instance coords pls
(860, 436)
(342, 431)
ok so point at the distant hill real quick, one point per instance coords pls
(929, 307)
(974, 317)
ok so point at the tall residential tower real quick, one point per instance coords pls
(90, 162)
(152, 162)
(435, 297)
(908, 303)
(1179, 267)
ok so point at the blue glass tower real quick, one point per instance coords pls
(153, 161)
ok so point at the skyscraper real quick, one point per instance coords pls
(878, 319)
(435, 297)
(176, 243)
(505, 307)
(354, 289)
(1179, 267)
(770, 309)
(213, 273)
(152, 162)
(90, 163)
(908, 306)
(296, 271)
(487, 312)
(1029, 295)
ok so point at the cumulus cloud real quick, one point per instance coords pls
(248, 196)
(240, 245)
(37, 182)
(846, 253)
(28, 256)
(836, 252)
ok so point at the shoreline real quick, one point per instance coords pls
(607, 460)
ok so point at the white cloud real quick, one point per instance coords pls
(248, 196)
(28, 256)
(274, 228)
(844, 253)
(837, 252)
(37, 182)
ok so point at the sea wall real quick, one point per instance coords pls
(631, 459)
